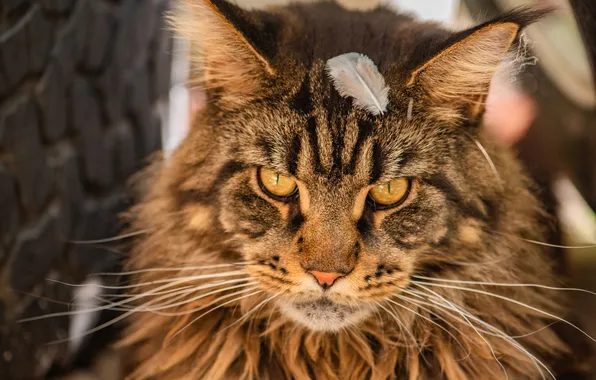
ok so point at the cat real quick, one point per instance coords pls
(336, 210)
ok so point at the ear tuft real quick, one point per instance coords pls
(221, 51)
(461, 73)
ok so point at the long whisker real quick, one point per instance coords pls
(533, 332)
(108, 240)
(420, 304)
(114, 306)
(171, 314)
(181, 294)
(215, 301)
(379, 319)
(107, 307)
(270, 316)
(252, 311)
(107, 296)
(47, 299)
(509, 300)
(408, 299)
(411, 335)
(163, 281)
(500, 333)
(104, 325)
(121, 306)
(169, 291)
(479, 263)
(445, 310)
(505, 284)
(174, 269)
(488, 159)
(490, 347)
(119, 318)
(401, 325)
(213, 309)
(421, 297)
(588, 246)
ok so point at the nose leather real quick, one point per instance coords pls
(325, 279)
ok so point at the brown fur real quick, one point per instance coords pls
(204, 206)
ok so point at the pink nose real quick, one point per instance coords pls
(325, 279)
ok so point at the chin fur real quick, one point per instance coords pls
(324, 315)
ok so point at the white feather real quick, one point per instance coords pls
(355, 75)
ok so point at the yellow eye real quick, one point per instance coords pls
(391, 193)
(277, 185)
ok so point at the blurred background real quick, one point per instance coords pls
(90, 89)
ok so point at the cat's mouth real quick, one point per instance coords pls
(324, 314)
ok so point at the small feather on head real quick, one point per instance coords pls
(355, 75)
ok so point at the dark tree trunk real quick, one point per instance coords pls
(80, 84)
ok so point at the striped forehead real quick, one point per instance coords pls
(337, 139)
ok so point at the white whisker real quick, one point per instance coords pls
(213, 309)
(174, 269)
(407, 299)
(175, 293)
(490, 347)
(445, 309)
(509, 300)
(401, 325)
(104, 325)
(214, 302)
(422, 297)
(108, 240)
(168, 280)
(181, 294)
(500, 333)
(107, 296)
(270, 316)
(252, 311)
(171, 314)
(380, 320)
(505, 284)
(488, 159)
(560, 246)
(119, 303)
(589, 246)
(533, 332)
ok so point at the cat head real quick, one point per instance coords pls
(332, 205)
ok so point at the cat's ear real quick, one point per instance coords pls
(228, 48)
(458, 77)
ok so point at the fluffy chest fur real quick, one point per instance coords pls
(297, 233)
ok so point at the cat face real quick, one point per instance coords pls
(334, 209)
(303, 229)
(334, 206)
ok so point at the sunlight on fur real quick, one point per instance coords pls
(299, 273)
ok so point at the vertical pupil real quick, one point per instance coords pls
(277, 179)
(389, 187)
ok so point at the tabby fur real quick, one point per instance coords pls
(471, 214)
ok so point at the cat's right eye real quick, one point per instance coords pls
(277, 185)
(392, 193)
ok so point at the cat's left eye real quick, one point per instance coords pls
(392, 193)
(277, 185)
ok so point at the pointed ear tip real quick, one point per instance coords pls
(510, 26)
(195, 2)
(516, 19)
(509, 29)
(199, 5)
(525, 16)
